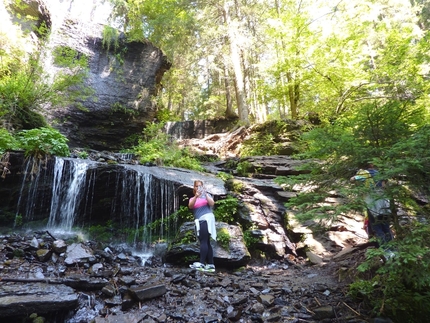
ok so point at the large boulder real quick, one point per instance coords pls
(186, 246)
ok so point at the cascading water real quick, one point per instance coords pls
(136, 194)
(32, 185)
(68, 189)
(131, 203)
(143, 198)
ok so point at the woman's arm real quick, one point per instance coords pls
(192, 201)
(210, 199)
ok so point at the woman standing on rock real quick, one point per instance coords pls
(201, 204)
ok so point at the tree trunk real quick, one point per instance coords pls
(294, 95)
(229, 112)
(239, 83)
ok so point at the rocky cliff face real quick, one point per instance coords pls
(124, 81)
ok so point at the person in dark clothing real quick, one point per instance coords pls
(379, 212)
(377, 219)
(201, 205)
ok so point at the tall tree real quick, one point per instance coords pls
(281, 58)
(239, 81)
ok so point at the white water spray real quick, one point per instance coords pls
(68, 190)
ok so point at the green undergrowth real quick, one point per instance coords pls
(156, 147)
(395, 280)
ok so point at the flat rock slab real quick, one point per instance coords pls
(122, 318)
(35, 298)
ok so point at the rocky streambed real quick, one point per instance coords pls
(46, 279)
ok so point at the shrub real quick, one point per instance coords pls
(250, 240)
(25, 89)
(7, 141)
(225, 176)
(260, 145)
(168, 225)
(156, 147)
(244, 168)
(223, 238)
(43, 141)
(100, 233)
(400, 286)
(110, 38)
(226, 209)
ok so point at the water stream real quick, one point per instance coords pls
(68, 190)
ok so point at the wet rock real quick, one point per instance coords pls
(122, 318)
(38, 297)
(127, 300)
(257, 308)
(147, 292)
(77, 254)
(109, 290)
(85, 283)
(323, 312)
(266, 300)
(59, 246)
(127, 280)
(43, 254)
(234, 314)
(180, 294)
(34, 243)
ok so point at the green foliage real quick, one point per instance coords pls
(100, 233)
(189, 237)
(83, 154)
(7, 141)
(118, 107)
(43, 141)
(400, 286)
(410, 157)
(250, 239)
(19, 253)
(152, 146)
(266, 138)
(259, 145)
(148, 20)
(225, 176)
(156, 147)
(7, 218)
(169, 223)
(235, 185)
(110, 38)
(390, 134)
(21, 95)
(18, 221)
(226, 209)
(223, 238)
(65, 56)
(165, 115)
(182, 158)
(244, 168)
(26, 88)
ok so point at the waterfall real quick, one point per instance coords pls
(140, 199)
(127, 202)
(33, 182)
(68, 189)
